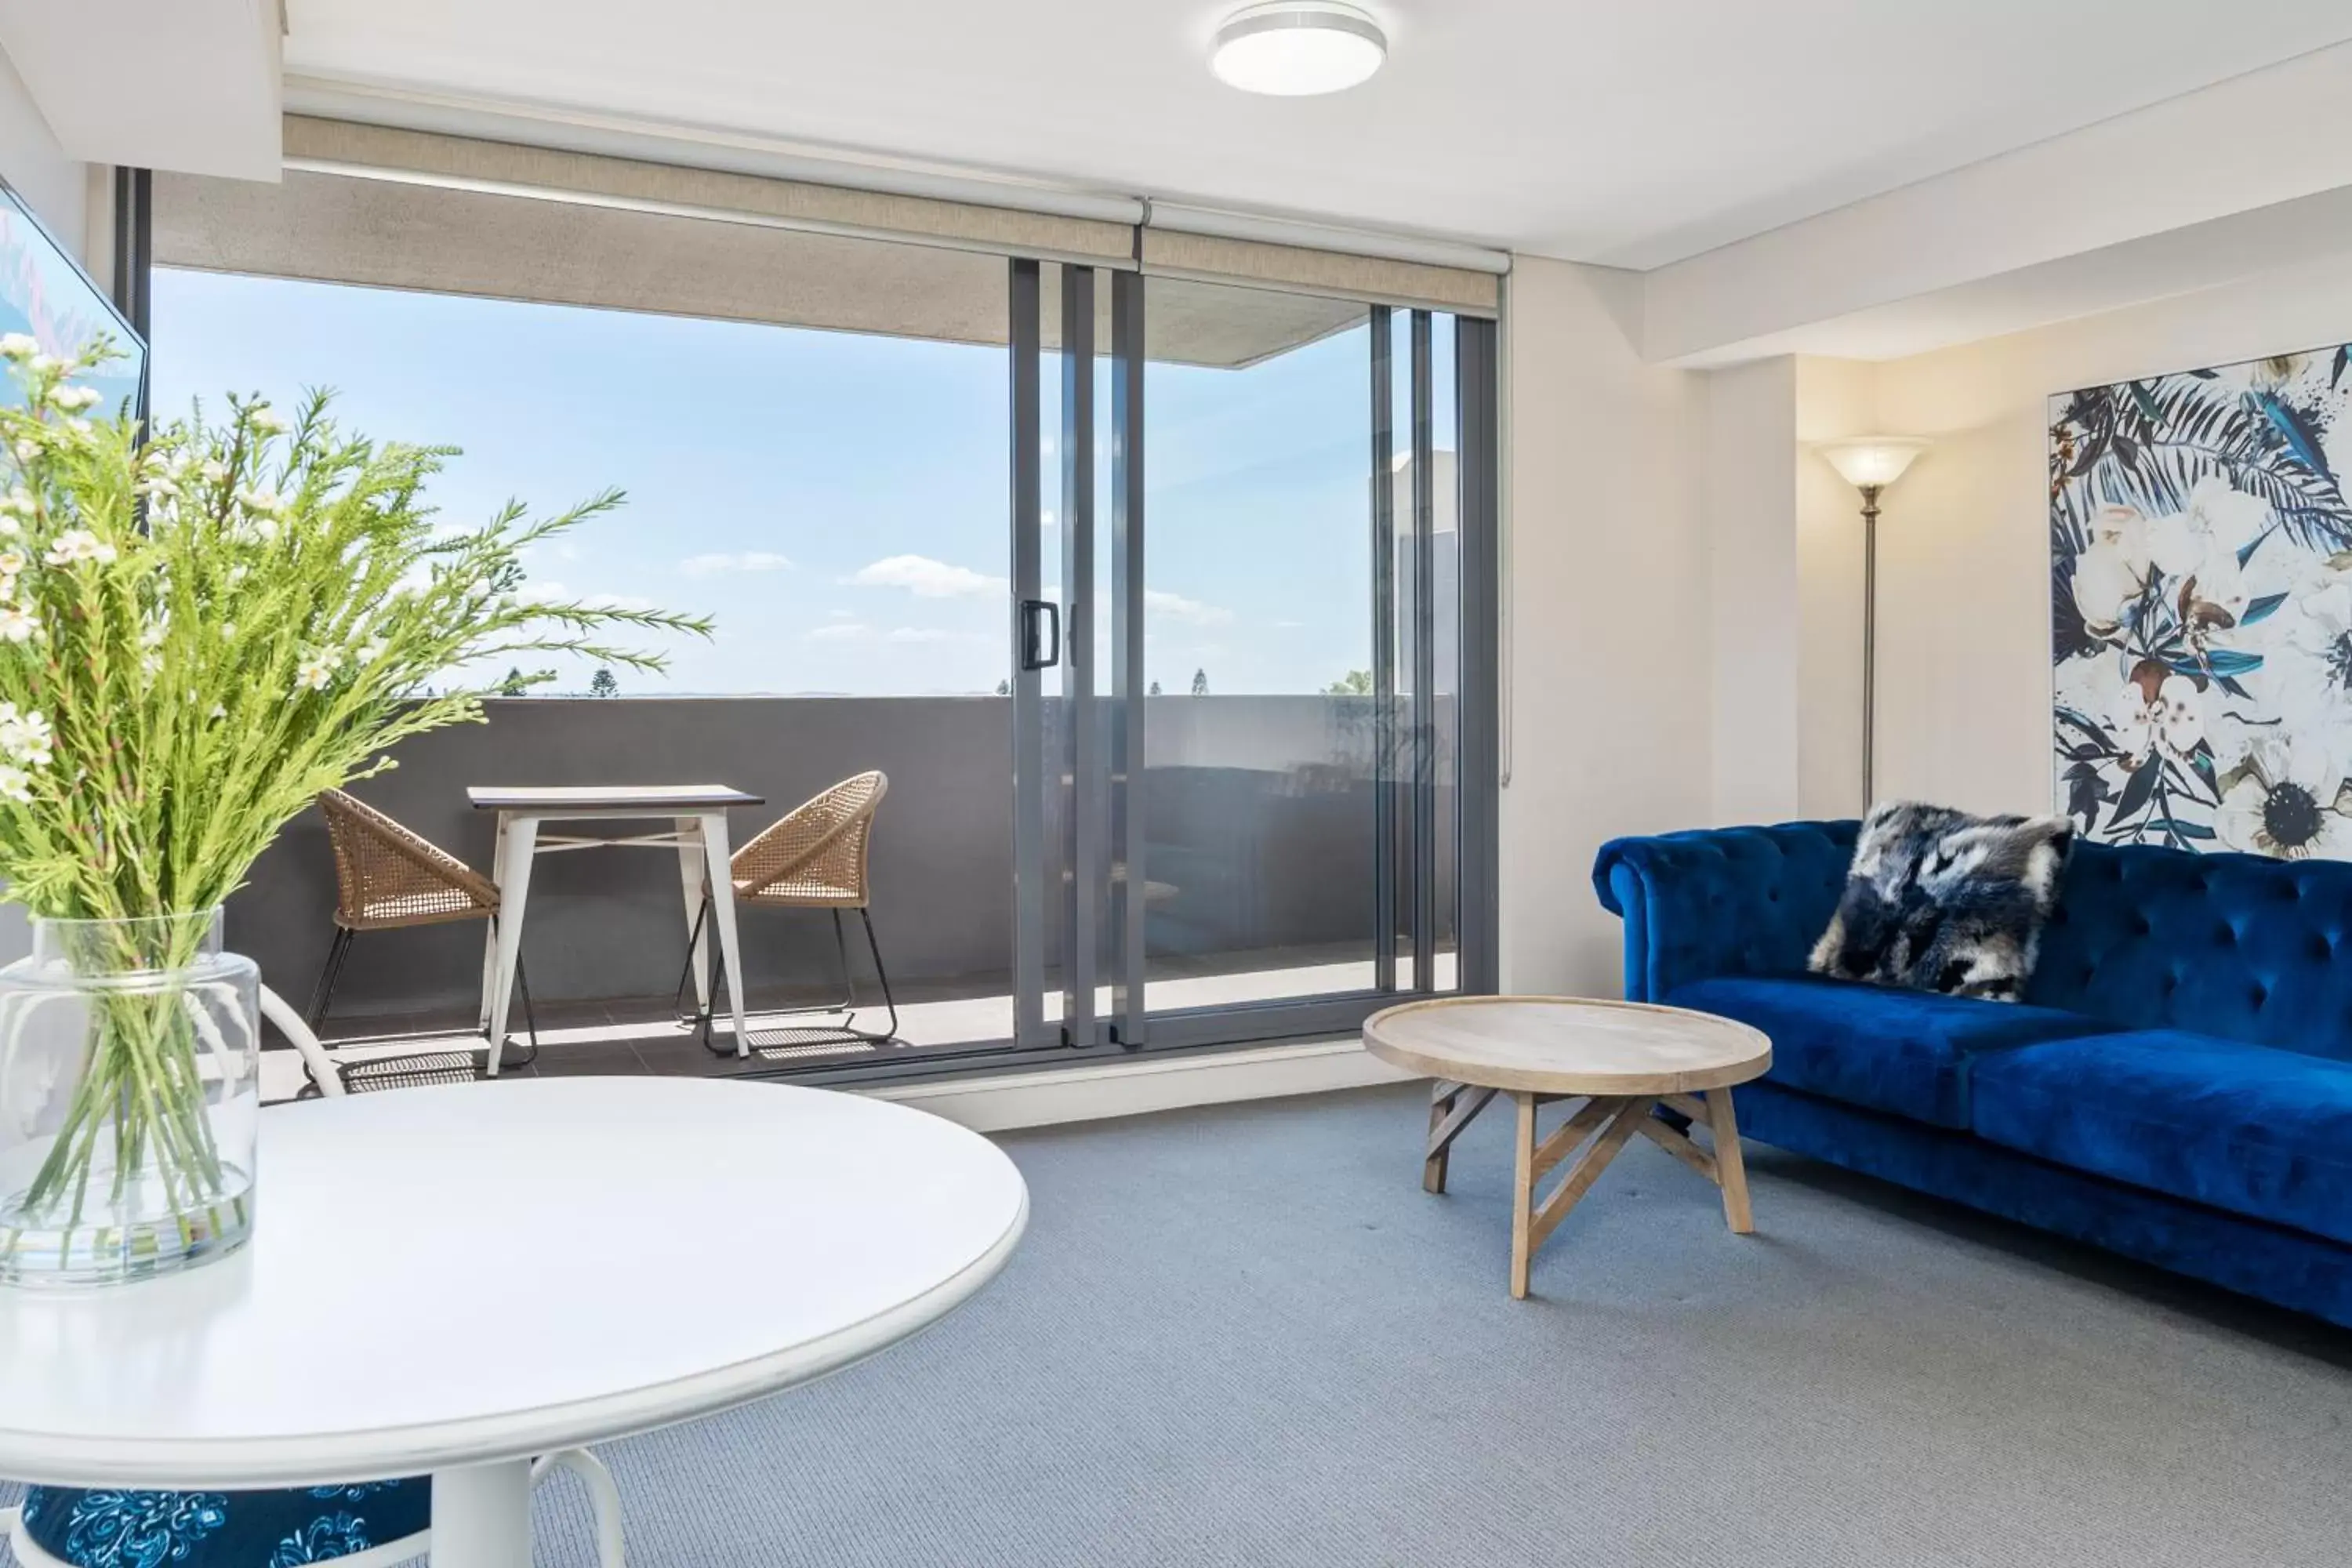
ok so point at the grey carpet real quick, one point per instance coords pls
(1245, 1336)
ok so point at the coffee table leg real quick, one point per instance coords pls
(1451, 1107)
(1523, 1195)
(1729, 1169)
(481, 1516)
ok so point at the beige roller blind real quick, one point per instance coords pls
(507, 168)
(1368, 278)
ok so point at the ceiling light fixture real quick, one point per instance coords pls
(1292, 48)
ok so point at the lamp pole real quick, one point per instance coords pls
(1869, 641)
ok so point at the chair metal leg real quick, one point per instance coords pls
(848, 1002)
(686, 969)
(882, 974)
(530, 1019)
(324, 991)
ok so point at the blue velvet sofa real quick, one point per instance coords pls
(2176, 1085)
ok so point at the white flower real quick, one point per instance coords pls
(73, 399)
(213, 470)
(77, 424)
(2285, 803)
(368, 653)
(218, 712)
(237, 574)
(151, 635)
(2112, 569)
(12, 563)
(265, 501)
(266, 420)
(15, 784)
(78, 544)
(2131, 716)
(46, 363)
(29, 450)
(19, 345)
(26, 737)
(15, 625)
(316, 670)
(2180, 715)
(18, 502)
(263, 530)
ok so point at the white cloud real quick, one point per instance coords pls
(729, 563)
(925, 578)
(619, 602)
(839, 631)
(1177, 607)
(919, 634)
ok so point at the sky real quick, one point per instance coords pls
(838, 502)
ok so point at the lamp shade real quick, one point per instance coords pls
(1872, 460)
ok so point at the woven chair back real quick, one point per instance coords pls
(386, 876)
(814, 854)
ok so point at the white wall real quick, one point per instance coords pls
(54, 185)
(1752, 585)
(1964, 608)
(1606, 610)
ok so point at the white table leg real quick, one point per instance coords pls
(723, 912)
(691, 869)
(514, 887)
(490, 936)
(481, 1516)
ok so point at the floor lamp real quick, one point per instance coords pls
(1870, 464)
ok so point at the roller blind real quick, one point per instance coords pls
(1352, 277)
(410, 209)
(508, 168)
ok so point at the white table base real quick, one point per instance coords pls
(701, 842)
(481, 1516)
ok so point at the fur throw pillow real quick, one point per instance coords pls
(1939, 901)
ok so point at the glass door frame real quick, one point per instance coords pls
(1103, 829)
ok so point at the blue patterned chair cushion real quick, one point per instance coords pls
(100, 1529)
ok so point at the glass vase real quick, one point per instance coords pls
(129, 1098)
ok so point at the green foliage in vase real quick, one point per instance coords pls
(199, 634)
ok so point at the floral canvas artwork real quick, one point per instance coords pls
(2202, 607)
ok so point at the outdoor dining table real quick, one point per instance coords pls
(697, 814)
(366, 1332)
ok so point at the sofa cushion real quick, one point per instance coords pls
(1906, 1052)
(2256, 1131)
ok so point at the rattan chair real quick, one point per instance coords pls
(812, 858)
(389, 879)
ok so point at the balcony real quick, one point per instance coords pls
(1262, 831)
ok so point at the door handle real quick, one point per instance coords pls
(1039, 616)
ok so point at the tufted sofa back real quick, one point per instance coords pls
(2237, 945)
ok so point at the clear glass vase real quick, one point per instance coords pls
(129, 1097)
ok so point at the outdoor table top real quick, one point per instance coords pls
(653, 800)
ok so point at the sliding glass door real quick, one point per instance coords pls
(1240, 557)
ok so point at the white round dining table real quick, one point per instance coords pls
(454, 1281)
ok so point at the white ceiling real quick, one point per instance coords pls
(1634, 133)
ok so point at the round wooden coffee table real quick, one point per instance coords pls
(1626, 1059)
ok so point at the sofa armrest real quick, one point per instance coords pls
(1722, 901)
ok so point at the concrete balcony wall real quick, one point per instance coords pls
(1258, 815)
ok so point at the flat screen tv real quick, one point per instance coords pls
(44, 292)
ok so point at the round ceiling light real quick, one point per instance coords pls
(1292, 48)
